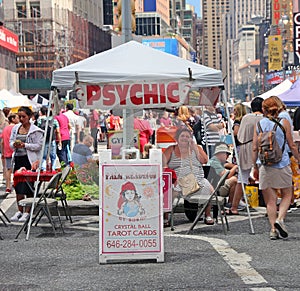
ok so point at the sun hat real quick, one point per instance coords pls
(222, 148)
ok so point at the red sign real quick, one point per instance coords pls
(167, 190)
(9, 40)
(132, 95)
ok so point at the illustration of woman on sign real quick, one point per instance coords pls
(129, 201)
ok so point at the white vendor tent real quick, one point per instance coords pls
(141, 68)
(279, 89)
(13, 99)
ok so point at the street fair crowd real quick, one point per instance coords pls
(253, 145)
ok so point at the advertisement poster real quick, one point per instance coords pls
(275, 53)
(115, 142)
(167, 190)
(130, 210)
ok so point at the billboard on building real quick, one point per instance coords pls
(9, 40)
(275, 53)
(274, 78)
(167, 45)
(279, 8)
(296, 30)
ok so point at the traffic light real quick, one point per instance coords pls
(132, 6)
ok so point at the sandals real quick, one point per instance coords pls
(208, 220)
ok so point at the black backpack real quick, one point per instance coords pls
(42, 125)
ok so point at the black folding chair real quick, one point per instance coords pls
(62, 195)
(3, 220)
(213, 198)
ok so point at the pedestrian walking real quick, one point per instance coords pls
(277, 175)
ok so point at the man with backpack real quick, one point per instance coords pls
(52, 133)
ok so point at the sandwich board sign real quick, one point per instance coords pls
(130, 208)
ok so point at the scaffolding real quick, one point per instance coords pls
(48, 40)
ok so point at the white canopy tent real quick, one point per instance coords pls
(13, 99)
(132, 62)
(279, 89)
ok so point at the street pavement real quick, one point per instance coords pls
(204, 260)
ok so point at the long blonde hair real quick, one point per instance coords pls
(183, 113)
(239, 111)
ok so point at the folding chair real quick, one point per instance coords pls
(3, 213)
(3, 220)
(61, 194)
(43, 203)
(213, 198)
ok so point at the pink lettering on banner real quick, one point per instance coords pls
(162, 91)
(173, 92)
(122, 91)
(135, 94)
(109, 97)
(135, 89)
(151, 92)
(93, 93)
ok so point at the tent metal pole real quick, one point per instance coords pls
(237, 161)
(126, 37)
(39, 168)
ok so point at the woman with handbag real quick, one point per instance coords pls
(186, 158)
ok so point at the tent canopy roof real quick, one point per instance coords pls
(291, 96)
(279, 89)
(131, 62)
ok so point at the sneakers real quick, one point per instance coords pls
(24, 217)
(7, 191)
(16, 217)
(279, 225)
(274, 235)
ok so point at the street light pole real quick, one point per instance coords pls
(248, 79)
(284, 20)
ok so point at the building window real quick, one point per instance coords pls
(21, 10)
(35, 9)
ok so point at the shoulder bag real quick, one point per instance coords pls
(188, 183)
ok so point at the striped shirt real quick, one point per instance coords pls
(212, 137)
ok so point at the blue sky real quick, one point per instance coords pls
(196, 4)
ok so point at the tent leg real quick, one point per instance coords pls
(224, 98)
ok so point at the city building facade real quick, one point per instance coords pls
(53, 34)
